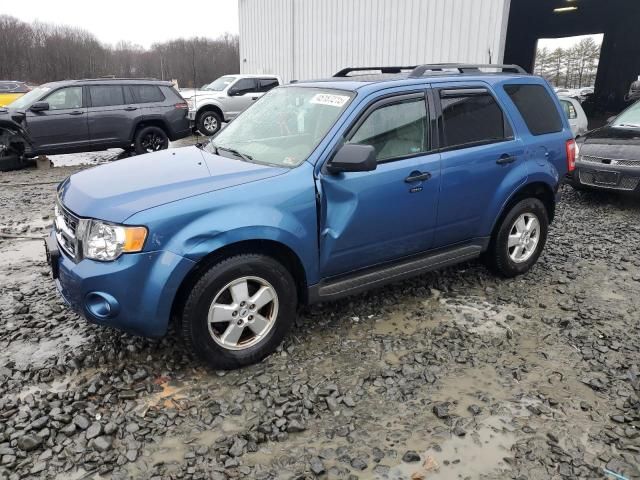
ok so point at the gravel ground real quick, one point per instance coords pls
(455, 374)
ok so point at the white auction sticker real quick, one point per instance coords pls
(329, 99)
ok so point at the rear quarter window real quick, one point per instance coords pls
(536, 107)
(147, 93)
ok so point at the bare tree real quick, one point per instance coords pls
(575, 67)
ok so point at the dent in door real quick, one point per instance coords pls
(337, 215)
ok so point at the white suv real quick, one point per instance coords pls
(225, 98)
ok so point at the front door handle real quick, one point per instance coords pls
(417, 176)
(506, 159)
(76, 112)
(254, 98)
(130, 109)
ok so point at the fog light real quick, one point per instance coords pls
(102, 305)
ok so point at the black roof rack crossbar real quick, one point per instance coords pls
(420, 70)
(346, 71)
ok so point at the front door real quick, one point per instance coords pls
(64, 126)
(482, 162)
(374, 217)
(242, 94)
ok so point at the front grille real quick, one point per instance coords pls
(610, 161)
(625, 183)
(66, 227)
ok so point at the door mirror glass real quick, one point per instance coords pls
(233, 92)
(39, 107)
(353, 158)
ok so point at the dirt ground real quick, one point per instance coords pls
(453, 375)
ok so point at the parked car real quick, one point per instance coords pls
(319, 190)
(88, 115)
(11, 90)
(575, 114)
(225, 98)
(610, 156)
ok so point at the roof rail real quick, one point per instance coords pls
(111, 77)
(420, 70)
(346, 71)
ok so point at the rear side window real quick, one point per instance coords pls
(396, 130)
(267, 84)
(147, 93)
(472, 118)
(536, 107)
(106, 95)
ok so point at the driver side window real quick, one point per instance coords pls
(69, 97)
(396, 130)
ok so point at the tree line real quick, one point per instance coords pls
(40, 52)
(574, 67)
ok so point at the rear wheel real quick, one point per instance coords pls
(209, 122)
(520, 238)
(239, 311)
(150, 139)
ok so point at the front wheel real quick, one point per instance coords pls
(209, 123)
(239, 311)
(520, 238)
(150, 139)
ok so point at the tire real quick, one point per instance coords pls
(209, 122)
(214, 341)
(10, 161)
(504, 259)
(150, 139)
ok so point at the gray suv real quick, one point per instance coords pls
(88, 115)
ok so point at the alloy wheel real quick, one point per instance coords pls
(523, 237)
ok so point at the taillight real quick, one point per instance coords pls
(572, 153)
(182, 105)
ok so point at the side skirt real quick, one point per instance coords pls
(366, 279)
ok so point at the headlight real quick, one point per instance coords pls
(105, 241)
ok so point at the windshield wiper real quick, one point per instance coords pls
(243, 156)
(632, 125)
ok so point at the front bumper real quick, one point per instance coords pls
(139, 289)
(611, 176)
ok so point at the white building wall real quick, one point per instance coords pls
(303, 39)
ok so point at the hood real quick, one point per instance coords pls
(190, 93)
(115, 191)
(608, 135)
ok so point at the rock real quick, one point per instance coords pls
(81, 422)
(359, 463)
(94, 430)
(317, 466)
(237, 448)
(29, 442)
(474, 409)
(411, 456)
(441, 410)
(103, 443)
(295, 426)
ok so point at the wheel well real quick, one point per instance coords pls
(210, 108)
(150, 123)
(538, 190)
(275, 250)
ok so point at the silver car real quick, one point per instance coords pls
(575, 113)
(224, 99)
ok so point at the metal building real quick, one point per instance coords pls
(304, 39)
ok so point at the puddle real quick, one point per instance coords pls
(20, 251)
(24, 353)
(479, 453)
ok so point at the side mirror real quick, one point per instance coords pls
(611, 119)
(39, 107)
(353, 158)
(233, 92)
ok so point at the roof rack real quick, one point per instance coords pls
(346, 71)
(113, 77)
(420, 70)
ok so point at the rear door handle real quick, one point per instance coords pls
(129, 109)
(506, 159)
(76, 112)
(417, 176)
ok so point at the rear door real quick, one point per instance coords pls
(374, 217)
(482, 161)
(64, 127)
(111, 115)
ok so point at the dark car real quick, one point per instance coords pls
(610, 156)
(88, 115)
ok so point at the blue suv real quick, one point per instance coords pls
(321, 189)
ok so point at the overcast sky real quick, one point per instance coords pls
(139, 21)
